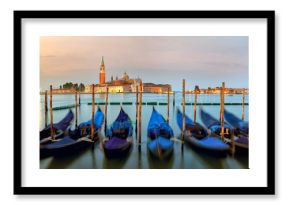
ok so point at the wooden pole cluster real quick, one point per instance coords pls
(183, 111)
(140, 114)
(168, 103)
(93, 112)
(76, 108)
(243, 105)
(195, 101)
(106, 108)
(45, 108)
(51, 117)
(137, 113)
(222, 111)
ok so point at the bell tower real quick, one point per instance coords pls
(102, 76)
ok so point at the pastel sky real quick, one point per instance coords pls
(203, 61)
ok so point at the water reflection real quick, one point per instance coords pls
(62, 162)
(114, 163)
(160, 164)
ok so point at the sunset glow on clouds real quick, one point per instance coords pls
(203, 61)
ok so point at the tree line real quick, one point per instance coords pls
(70, 85)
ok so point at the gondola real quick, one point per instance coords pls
(58, 128)
(77, 140)
(159, 132)
(118, 141)
(214, 125)
(241, 127)
(197, 136)
(241, 142)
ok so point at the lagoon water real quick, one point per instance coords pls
(187, 159)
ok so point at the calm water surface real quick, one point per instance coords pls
(186, 159)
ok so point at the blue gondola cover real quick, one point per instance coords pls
(122, 127)
(158, 126)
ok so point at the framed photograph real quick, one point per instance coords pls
(144, 102)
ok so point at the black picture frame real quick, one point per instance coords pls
(269, 189)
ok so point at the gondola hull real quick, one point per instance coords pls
(214, 125)
(58, 135)
(160, 148)
(197, 137)
(241, 142)
(66, 146)
(115, 148)
(210, 144)
(59, 128)
(241, 127)
(159, 132)
(78, 139)
(118, 142)
(241, 145)
(158, 126)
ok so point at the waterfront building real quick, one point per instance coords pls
(63, 91)
(156, 88)
(88, 88)
(217, 90)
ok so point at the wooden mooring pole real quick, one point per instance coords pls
(140, 114)
(195, 101)
(221, 97)
(183, 111)
(168, 103)
(173, 101)
(233, 148)
(137, 105)
(93, 113)
(76, 108)
(222, 111)
(106, 109)
(243, 105)
(79, 98)
(45, 108)
(51, 117)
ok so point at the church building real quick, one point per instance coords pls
(123, 84)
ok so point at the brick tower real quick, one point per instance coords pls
(102, 77)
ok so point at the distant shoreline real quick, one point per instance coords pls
(73, 93)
